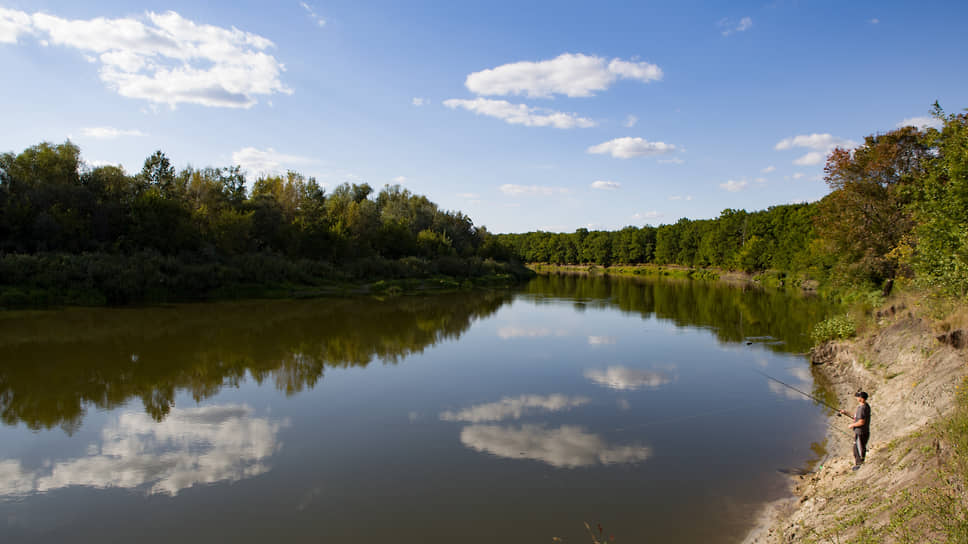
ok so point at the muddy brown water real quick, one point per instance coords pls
(507, 416)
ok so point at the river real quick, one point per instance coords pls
(504, 416)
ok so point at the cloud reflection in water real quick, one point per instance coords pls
(514, 407)
(628, 379)
(193, 446)
(568, 446)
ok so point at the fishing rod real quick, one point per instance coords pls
(808, 395)
(815, 399)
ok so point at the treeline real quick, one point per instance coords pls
(898, 208)
(173, 234)
(776, 238)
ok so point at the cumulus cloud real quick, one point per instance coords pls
(514, 408)
(163, 58)
(921, 122)
(312, 14)
(574, 75)
(799, 175)
(821, 144)
(628, 147)
(512, 189)
(267, 161)
(520, 114)
(568, 446)
(730, 26)
(13, 23)
(606, 185)
(734, 186)
(630, 121)
(768, 169)
(191, 446)
(680, 197)
(399, 179)
(627, 379)
(417, 101)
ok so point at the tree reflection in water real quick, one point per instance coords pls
(54, 364)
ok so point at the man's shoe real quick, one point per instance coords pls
(856, 467)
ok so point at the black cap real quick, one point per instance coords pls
(861, 394)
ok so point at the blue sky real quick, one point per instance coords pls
(524, 115)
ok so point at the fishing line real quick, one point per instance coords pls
(808, 395)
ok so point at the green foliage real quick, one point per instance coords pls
(164, 234)
(834, 328)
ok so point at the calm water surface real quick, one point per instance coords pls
(475, 417)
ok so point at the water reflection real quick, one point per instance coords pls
(803, 381)
(506, 333)
(53, 365)
(192, 446)
(567, 446)
(514, 408)
(734, 313)
(629, 379)
(601, 340)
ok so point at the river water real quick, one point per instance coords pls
(506, 416)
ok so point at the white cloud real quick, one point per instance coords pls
(511, 189)
(811, 159)
(267, 161)
(191, 446)
(921, 122)
(647, 215)
(729, 26)
(601, 340)
(628, 147)
(514, 408)
(630, 121)
(417, 101)
(574, 75)
(822, 145)
(13, 23)
(312, 14)
(520, 114)
(628, 379)
(568, 446)
(162, 57)
(820, 142)
(108, 133)
(399, 179)
(673, 160)
(798, 175)
(734, 186)
(874, 21)
(760, 180)
(768, 169)
(606, 185)
(680, 197)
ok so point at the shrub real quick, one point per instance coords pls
(834, 328)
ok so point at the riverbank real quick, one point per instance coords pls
(770, 278)
(911, 359)
(103, 279)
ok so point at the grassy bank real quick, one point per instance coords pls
(99, 279)
(770, 278)
(909, 354)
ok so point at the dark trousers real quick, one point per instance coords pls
(860, 447)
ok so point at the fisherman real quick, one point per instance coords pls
(861, 426)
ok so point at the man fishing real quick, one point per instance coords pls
(862, 428)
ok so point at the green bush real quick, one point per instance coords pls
(834, 328)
